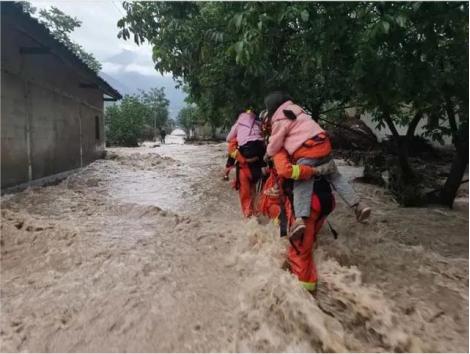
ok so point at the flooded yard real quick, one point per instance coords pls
(147, 251)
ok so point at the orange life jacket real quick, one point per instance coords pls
(270, 205)
(315, 148)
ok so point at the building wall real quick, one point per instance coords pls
(47, 120)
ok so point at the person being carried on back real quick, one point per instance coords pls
(247, 132)
(245, 140)
(307, 144)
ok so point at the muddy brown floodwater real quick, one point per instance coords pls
(147, 251)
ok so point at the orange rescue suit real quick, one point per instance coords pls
(300, 259)
(246, 190)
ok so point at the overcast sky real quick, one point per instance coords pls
(126, 66)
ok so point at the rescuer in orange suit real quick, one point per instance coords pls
(243, 181)
(276, 197)
(247, 147)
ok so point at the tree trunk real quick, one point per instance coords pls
(402, 149)
(460, 162)
(451, 116)
(457, 170)
(403, 182)
(410, 133)
(213, 131)
(314, 110)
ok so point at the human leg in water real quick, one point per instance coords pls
(230, 164)
(300, 254)
(327, 167)
(346, 192)
(302, 194)
(246, 191)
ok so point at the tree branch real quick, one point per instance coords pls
(402, 149)
(410, 133)
(451, 115)
(386, 117)
(342, 126)
(338, 108)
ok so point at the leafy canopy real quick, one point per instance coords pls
(188, 118)
(395, 59)
(137, 117)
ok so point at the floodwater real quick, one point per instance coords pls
(147, 251)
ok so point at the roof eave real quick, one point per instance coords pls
(59, 49)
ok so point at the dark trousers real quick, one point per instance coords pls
(252, 149)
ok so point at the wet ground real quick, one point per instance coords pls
(147, 251)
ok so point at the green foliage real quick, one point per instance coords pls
(135, 116)
(409, 58)
(383, 56)
(187, 118)
(170, 125)
(61, 26)
(125, 122)
(28, 7)
(400, 61)
(157, 107)
(231, 54)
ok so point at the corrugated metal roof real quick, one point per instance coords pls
(10, 8)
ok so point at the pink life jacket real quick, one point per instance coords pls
(245, 129)
(288, 133)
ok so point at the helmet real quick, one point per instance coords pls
(274, 100)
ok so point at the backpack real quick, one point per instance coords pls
(280, 207)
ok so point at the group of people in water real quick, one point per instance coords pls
(285, 170)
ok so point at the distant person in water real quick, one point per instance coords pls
(162, 135)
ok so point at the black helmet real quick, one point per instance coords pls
(274, 100)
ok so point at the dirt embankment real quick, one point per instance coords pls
(146, 252)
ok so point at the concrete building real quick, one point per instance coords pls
(51, 103)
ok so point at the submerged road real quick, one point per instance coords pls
(147, 251)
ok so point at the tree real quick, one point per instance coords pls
(61, 26)
(409, 65)
(125, 121)
(187, 118)
(170, 125)
(157, 105)
(446, 50)
(229, 54)
(401, 61)
(28, 7)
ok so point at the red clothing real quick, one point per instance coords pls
(302, 264)
(286, 169)
(246, 188)
(314, 148)
(246, 192)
